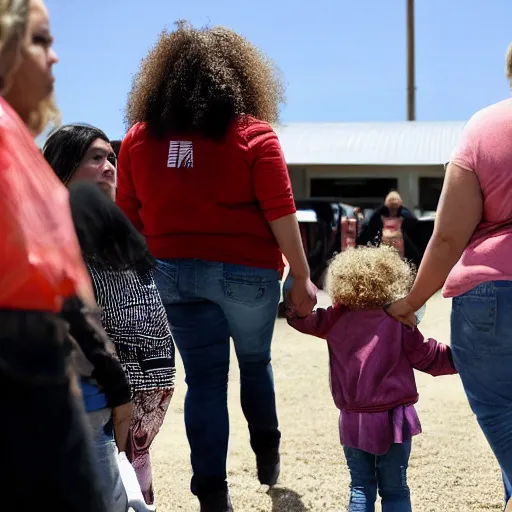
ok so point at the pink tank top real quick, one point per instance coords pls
(392, 233)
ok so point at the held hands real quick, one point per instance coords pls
(302, 297)
(403, 311)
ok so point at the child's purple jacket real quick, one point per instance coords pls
(372, 357)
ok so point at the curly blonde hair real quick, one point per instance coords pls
(199, 80)
(368, 277)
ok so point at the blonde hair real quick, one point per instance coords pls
(508, 66)
(368, 277)
(393, 196)
(13, 19)
(47, 113)
(13, 23)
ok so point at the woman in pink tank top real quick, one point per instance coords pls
(470, 257)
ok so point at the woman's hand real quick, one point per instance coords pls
(122, 417)
(403, 311)
(302, 296)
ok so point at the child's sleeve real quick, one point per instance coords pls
(428, 356)
(318, 323)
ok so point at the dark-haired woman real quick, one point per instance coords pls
(121, 270)
(203, 177)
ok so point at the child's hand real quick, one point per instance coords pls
(289, 312)
(302, 297)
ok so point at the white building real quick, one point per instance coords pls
(359, 163)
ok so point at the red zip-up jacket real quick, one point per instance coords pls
(193, 197)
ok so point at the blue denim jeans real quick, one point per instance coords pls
(105, 459)
(206, 304)
(385, 473)
(481, 326)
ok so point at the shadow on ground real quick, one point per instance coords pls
(286, 500)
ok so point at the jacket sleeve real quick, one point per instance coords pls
(85, 327)
(318, 323)
(428, 356)
(126, 197)
(270, 177)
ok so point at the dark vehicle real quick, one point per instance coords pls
(320, 228)
(423, 233)
(320, 225)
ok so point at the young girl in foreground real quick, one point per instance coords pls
(372, 357)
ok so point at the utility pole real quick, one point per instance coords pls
(411, 81)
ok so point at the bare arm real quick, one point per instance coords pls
(274, 193)
(287, 233)
(458, 215)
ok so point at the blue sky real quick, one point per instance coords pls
(343, 60)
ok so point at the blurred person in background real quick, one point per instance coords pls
(132, 312)
(468, 257)
(203, 177)
(392, 224)
(45, 292)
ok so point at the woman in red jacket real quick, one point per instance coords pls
(203, 176)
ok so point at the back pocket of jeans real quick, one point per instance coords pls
(479, 313)
(244, 290)
(166, 280)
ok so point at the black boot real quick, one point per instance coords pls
(216, 501)
(268, 462)
(265, 444)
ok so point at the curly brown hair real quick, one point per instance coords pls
(200, 80)
(508, 64)
(368, 278)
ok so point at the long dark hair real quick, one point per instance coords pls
(106, 236)
(200, 80)
(65, 148)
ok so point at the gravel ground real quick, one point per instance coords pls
(451, 467)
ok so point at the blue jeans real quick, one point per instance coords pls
(105, 459)
(481, 326)
(387, 473)
(206, 304)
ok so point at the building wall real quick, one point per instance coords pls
(408, 177)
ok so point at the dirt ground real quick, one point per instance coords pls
(451, 467)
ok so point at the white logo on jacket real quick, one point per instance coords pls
(181, 154)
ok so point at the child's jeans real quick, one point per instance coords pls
(105, 458)
(385, 473)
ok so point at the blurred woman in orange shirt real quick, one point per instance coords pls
(45, 291)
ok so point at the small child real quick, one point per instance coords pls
(372, 357)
